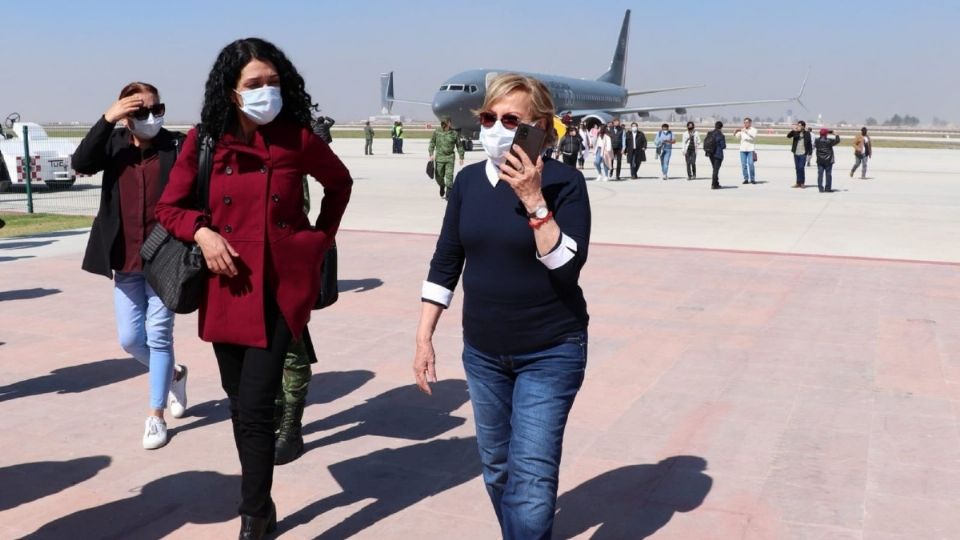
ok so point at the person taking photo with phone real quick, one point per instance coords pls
(518, 230)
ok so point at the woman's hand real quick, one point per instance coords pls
(424, 365)
(123, 108)
(218, 253)
(524, 177)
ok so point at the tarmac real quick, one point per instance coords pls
(765, 363)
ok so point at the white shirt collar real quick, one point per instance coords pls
(493, 173)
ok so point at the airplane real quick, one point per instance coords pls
(592, 101)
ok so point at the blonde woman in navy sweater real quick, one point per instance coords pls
(518, 232)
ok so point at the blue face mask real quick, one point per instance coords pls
(261, 105)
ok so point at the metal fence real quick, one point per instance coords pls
(36, 175)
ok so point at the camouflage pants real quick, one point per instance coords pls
(443, 172)
(296, 374)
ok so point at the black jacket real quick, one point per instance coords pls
(321, 126)
(571, 145)
(97, 152)
(616, 138)
(641, 144)
(807, 141)
(825, 149)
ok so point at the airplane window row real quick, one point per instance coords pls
(469, 88)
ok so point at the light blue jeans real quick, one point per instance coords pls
(145, 327)
(520, 405)
(665, 158)
(746, 164)
(598, 162)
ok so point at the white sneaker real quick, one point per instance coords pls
(177, 397)
(154, 433)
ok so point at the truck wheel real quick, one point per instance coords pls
(59, 184)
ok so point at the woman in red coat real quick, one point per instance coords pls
(264, 257)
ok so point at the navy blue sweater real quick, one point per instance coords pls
(512, 303)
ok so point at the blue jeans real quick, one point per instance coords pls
(799, 162)
(746, 164)
(665, 158)
(598, 162)
(520, 407)
(860, 158)
(828, 170)
(145, 327)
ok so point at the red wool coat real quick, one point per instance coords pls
(256, 204)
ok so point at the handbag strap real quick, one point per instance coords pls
(204, 169)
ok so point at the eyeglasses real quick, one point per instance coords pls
(509, 121)
(143, 113)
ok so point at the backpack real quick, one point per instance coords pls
(710, 143)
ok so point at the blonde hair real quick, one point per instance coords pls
(541, 102)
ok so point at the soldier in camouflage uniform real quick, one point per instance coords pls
(445, 141)
(293, 392)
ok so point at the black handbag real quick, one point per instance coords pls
(175, 269)
(431, 168)
(329, 292)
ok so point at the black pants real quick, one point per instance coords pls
(825, 170)
(691, 158)
(716, 162)
(251, 378)
(615, 161)
(633, 159)
(570, 160)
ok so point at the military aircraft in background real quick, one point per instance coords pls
(591, 101)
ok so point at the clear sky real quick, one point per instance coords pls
(67, 60)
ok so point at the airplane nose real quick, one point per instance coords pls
(444, 104)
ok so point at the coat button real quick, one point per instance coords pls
(276, 198)
(263, 169)
(228, 170)
(282, 224)
(227, 229)
(227, 200)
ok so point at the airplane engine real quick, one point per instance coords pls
(596, 119)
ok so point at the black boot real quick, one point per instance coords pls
(289, 445)
(253, 528)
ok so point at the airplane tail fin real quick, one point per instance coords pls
(386, 93)
(617, 72)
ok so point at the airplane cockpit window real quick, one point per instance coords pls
(473, 89)
(456, 88)
(443, 88)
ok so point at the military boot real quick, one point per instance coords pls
(289, 445)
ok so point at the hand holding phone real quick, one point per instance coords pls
(531, 140)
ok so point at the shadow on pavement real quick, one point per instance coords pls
(8, 259)
(26, 294)
(28, 482)
(324, 388)
(358, 285)
(160, 508)
(74, 379)
(396, 478)
(25, 244)
(55, 234)
(401, 413)
(633, 501)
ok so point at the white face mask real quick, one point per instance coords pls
(496, 142)
(145, 129)
(261, 105)
(633, 129)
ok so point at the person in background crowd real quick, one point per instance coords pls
(321, 126)
(367, 139)
(801, 147)
(810, 156)
(713, 146)
(862, 151)
(691, 145)
(825, 158)
(444, 144)
(571, 146)
(136, 161)
(602, 153)
(636, 149)
(664, 142)
(524, 316)
(399, 137)
(616, 147)
(748, 151)
(585, 137)
(263, 254)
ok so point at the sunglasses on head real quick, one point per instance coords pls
(509, 121)
(143, 113)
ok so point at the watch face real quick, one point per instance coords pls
(541, 212)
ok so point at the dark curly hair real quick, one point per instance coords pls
(219, 114)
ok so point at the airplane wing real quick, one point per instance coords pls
(660, 90)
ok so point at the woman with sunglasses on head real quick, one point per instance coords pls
(136, 161)
(518, 231)
(263, 254)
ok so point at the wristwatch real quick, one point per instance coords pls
(539, 212)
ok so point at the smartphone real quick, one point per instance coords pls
(530, 139)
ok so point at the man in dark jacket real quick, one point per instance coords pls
(321, 126)
(800, 150)
(713, 146)
(825, 158)
(635, 146)
(570, 146)
(616, 144)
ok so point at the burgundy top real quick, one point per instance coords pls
(140, 188)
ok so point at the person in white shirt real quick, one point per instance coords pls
(691, 145)
(602, 153)
(748, 150)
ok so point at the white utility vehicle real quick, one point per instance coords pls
(49, 157)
